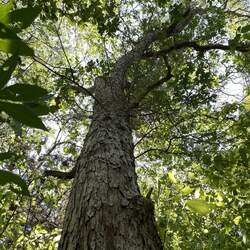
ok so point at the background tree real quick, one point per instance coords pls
(157, 69)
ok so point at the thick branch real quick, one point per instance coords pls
(61, 175)
(123, 63)
(80, 89)
(194, 45)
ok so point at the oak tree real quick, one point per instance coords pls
(144, 87)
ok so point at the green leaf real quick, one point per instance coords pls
(246, 36)
(235, 41)
(6, 32)
(21, 17)
(39, 109)
(245, 29)
(22, 114)
(8, 177)
(15, 46)
(11, 43)
(186, 190)
(237, 220)
(24, 16)
(200, 206)
(172, 177)
(17, 127)
(22, 92)
(7, 69)
(4, 12)
(6, 155)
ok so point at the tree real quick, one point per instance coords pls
(163, 86)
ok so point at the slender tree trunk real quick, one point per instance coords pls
(106, 210)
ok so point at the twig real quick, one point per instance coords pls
(156, 149)
(144, 136)
(65, 54)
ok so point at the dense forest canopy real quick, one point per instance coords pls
(187, 66)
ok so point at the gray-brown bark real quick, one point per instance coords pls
(106, 210)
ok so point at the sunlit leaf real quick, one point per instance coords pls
(191, 175)
(246, 103)
(200, 206)
(5, 8)
(237, 220)
(187, 190)
(172, 177)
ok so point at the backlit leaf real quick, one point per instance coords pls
(23, 114)
(9, 177)
(200, 206)
(22, 92)
(15, 46)
(7, 69)
(172, 177)
(5, 8)
(24, 16)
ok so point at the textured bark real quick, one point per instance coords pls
(106, 210)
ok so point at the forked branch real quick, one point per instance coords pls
(123, 63)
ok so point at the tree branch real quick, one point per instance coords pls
(83, 90)
(61, 175)
(156, 149)
(194, 45)
(123, 63)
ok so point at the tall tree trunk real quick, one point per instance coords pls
(106, 210)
